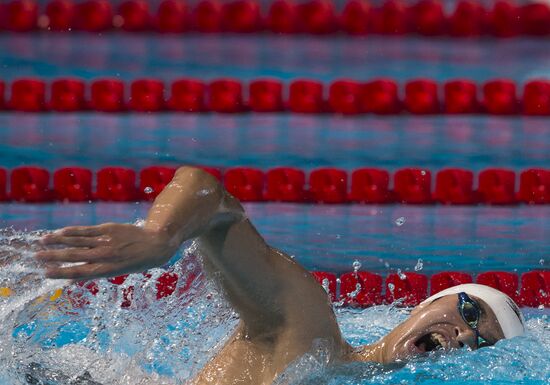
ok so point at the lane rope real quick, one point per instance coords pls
(380, 96)
(495, 186)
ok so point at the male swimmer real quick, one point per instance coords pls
(283, 310)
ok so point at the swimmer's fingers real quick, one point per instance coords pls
(81, 231)
(85, 272)
(75, 241)
(97, 254)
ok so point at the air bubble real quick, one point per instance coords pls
(391, 287)
(148, 190)
(419, 265)
(400, 221)
(356, 266)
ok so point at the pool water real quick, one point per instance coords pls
(167, 341)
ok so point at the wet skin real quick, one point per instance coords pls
(283, 310)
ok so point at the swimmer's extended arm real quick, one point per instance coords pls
(266, 287)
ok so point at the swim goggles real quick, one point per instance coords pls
(470, 312)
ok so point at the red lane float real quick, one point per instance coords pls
(94, 16)
(534, 186)
(504, 19)
(501, 280)
(317, 17)
(241, 16)
(497, 186)
(73, 184)
(28, 95)
(152, 180)
(390, 18)
(285, 184)
(2, 95)
(421, 97)
(344, 97)
(107, 95)
(446, 279)
(207, 16)
(172, 17)
(188, 95)
(499, 97)
(361, 289)
(535, 19)
(427, 18)
(328, 185)
(246, 184)
(116, 184)
(327, 281)
(282, 17)
(3, 185)
(381, 97)
(59, 15)
(266, 96)
(370, 185)
(460, 97)
(355, 17)
(535, 289)
(226, 96)
(146, 95)
(133, 16)
(30, 184)
(19, 15)
(306, 97)
(410, 288)
(536, 97)
(454, 186)
(68, 95)
(413, 185)
(468, 19)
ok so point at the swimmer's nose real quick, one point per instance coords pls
(466, 337)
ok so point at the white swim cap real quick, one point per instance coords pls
(507, 312)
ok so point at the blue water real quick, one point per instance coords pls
(331, 238)
(247, 57)
(111, 343)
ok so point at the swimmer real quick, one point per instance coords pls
(283, 311)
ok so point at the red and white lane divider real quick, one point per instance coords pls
(304, 96)
(467, 18)
(285, 184)
(357, 289)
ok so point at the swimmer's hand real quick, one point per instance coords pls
(105, 250)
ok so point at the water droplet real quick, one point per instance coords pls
(356, 266)
(391, 287)
(423, 172)
(148, 190)
(541, 307)
(325, 285)
(419, 265)
(541, 262)
(401, 275)
(400, 221)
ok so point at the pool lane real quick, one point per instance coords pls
(130, 56)
(383, 238)
(269, 140)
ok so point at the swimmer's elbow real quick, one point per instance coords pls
(207, 185)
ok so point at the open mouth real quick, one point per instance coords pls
(431, 342)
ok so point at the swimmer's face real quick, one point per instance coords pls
(439, 326)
